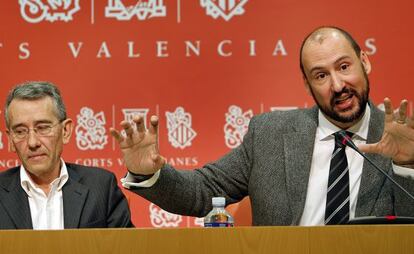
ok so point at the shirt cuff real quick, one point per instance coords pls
(403, 171)
(129, 181)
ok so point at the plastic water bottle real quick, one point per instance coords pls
(218, 216)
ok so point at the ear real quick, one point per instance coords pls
(11, 143)
(67, 130)
(365, 62)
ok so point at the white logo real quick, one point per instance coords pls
(130, 113)
(141, 9)
(180, 133)
(223, 8)
(34, 11)
(90, 131)
(1, 139)
(161, 218)
(237, 124)
(199, 222)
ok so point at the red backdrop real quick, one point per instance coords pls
(204, 66)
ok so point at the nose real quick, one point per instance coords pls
(32, 140)
(337, 83)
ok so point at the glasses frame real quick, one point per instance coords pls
(35, 131)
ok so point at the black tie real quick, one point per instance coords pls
(337, 200)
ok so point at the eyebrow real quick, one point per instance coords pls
(316, 68)
(35, 123)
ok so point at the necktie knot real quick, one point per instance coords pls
(340, 138)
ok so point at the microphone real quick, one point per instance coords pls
(346, 140)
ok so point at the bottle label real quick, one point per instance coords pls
(218, 225)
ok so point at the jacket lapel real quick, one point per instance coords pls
(371, 180)
(298, 147)
(15, 201)
(74, 197)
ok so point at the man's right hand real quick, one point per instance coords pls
(139, 146)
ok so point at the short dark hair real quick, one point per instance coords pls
(34, 90)
(347, 36)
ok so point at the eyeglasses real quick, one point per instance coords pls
(41, 130)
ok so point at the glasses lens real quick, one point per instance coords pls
(43, 129)
(20, 132)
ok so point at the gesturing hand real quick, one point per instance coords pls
(397, 141)
(139, 146)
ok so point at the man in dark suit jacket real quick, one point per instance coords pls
(45, 192)
(91, 199)
(280, 160)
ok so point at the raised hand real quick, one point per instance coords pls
(397, 141)
(140, 146)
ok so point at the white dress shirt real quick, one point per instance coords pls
(46, 210)
(314, 211)
(129, 181)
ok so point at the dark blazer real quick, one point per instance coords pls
(272, 166)
(91, 199)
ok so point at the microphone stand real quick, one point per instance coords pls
(346, 140)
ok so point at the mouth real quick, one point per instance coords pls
(344, 103)
(37, 157)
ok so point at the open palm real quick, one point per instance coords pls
(397, 141)
(139, 146)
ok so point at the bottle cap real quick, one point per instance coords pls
(219, 201)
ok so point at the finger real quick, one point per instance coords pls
(139, 122)
(389, 112)
(116, 135)
(128, 128)
(153, 128)
(402, 111)
(410, 120)
(369, 148)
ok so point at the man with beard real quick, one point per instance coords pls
(292, 164)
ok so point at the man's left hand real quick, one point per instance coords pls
(397, 141)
